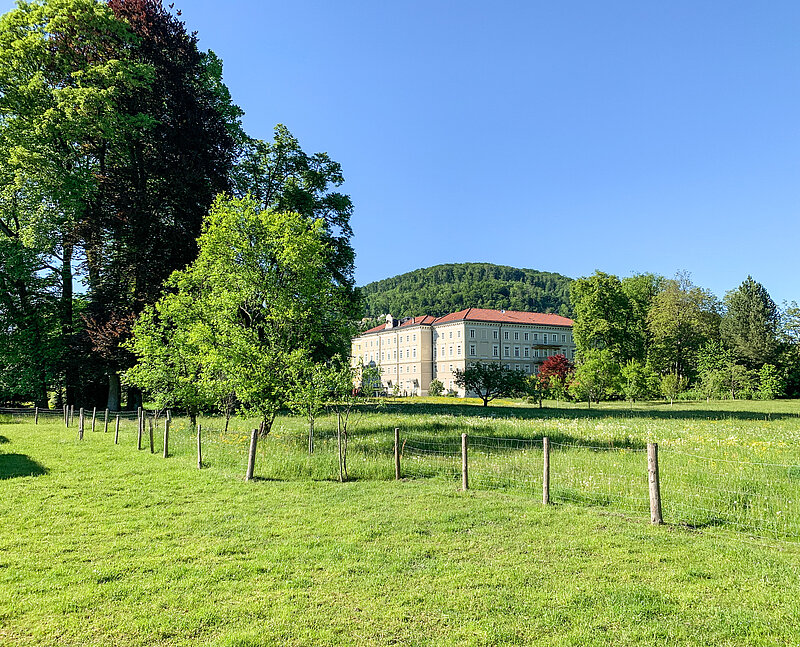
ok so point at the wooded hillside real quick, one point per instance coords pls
(441, 289)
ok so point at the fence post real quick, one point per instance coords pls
(199, 450)
(166, 437)
(546, 471)
(339, 444)
(140, 431)
(66, 419)
(94, 416)
(150, 426)
(36, 416)
(397, 454)
(71, 413)
(116, 431)
(251, 458)
(655, 489)
(464, 467)
(80, 424)
(105, 424)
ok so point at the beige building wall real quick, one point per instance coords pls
(412, 354)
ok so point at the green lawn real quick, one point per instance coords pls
(107, 545)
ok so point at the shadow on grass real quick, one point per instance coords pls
(4, 440)
(16, 465)
(647, 411)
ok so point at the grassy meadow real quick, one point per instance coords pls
(102, 544)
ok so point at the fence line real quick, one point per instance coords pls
(759, 498)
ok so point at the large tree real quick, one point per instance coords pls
(489, 381)
(682, 318)
(749, 326)
(604, 316)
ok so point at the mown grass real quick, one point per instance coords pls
(107, 545)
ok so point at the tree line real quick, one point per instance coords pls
(647, 335)
(121, 154)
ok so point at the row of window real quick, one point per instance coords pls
(551, 338)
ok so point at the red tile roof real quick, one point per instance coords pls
(483, 314)
(506, 316)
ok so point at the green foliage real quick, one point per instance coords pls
(671, 385)
(442, 289)
(770, 383)
(681, 319)
(257, 300)
(604, 317)
(435, 388)
(597, 377)
(749, 326)
(637, 381)
(490, 381)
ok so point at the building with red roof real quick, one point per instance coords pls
(412, 352)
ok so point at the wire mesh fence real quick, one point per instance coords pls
(761, 499)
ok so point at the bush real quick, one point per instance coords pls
(435, 388)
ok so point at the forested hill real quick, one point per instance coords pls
(441, 289)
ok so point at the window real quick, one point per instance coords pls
(458, 350)
(401, 353)
(451, 334)
(458, 334)
(442, 351)
(472, 350)
(535, 336)
(407, 339)
(382, 355)
(516, 336)
(451, 350)
(544, 337)
(527, 368)
(413, 352)
(505, 335)
(526, 336)
(395, 354)
(527, 352)
(563, 339)
(516, 351)
(506, 351)
(495, 334)
(495, 351)
(414, 338)
(451, 368)
(472, 333)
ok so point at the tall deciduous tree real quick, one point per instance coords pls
(749, 326)
(490, 381)
(280, 176)
(603, 316)
(682, 318)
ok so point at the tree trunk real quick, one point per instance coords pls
(114, 390)
(70, 373)
(134, 398)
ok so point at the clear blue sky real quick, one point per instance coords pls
(625, 136)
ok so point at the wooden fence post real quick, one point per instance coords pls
(397, 454)
(150, 426)
(139, 432)
(251, 458)
(546, 471)
(464, 466)
(116, 431)
(105, 424)
(94, 416)
(66, 418)
(36, 416)
(655, 488)
(166, 437)
(199, 449)
(80, 424)
(71, 414)
(339, 443)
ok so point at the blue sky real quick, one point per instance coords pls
(560, 136)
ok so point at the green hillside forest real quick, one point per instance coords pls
(441, 289)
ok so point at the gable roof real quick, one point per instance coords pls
(506, 316)
(482, 314)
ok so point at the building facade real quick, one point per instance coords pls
(411, 352)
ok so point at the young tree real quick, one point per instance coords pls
(671, 385)
(555, 367)
(435, 388)
(771, 383)
(489, 381)
(597, 377)
(636, 380)
(749, 326)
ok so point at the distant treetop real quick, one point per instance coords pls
(443, 289)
